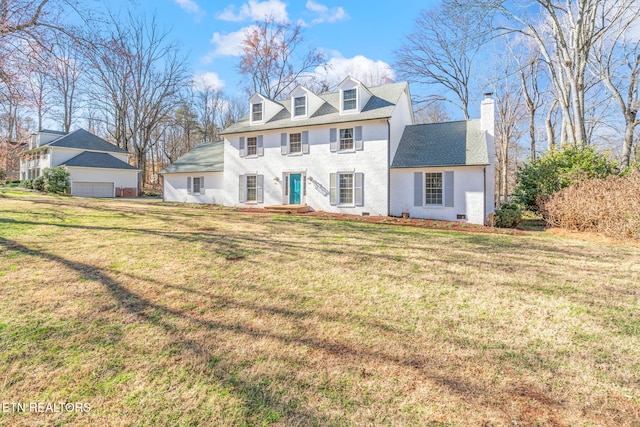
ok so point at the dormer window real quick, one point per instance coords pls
(349, 99)
(256, 112)
(300, 106)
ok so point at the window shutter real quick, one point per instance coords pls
(417, 188)
(448, 189)
(357, 136)
(333, 139)
(188, 185)
(332, 189)
(243, 189)
(202, 184)
(243, 151)
(359, 189)
(305, 142)
(260, 146)
(260, 188)
(284, 148)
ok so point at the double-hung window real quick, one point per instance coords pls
(433, 188)
(252, 146)
(349, 99)
(346, 189)
(346, 139)
(256, 112)
(299, 106)
(295, 143)
(195, 185)
(252, 188)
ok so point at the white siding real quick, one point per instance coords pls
(402, 116)
(468, 194)
(317, 166)
(175, 188)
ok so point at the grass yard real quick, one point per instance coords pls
(159, 314)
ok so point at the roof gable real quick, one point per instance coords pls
(204, 157)
(460, 143)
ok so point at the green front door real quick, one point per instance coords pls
(295, 188)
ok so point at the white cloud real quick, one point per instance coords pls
(324, 14)
(229, 44)
(191, 7)
(368, 71)
(207, 80)
(255, 10)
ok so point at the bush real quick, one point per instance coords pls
(56, 180)
(3, 174)
(556, 170)
(508, 216)
(27, 183)
(38, 183)
(609, 206)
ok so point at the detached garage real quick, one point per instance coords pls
(95, 174)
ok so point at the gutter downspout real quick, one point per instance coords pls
(388, 167)
(484, 196)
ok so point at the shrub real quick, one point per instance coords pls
(56, 180)
(3, 174)
(610, 206)
(556, 170)
(508, 216)
(27, 183)
(38, 183)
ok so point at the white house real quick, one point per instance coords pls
(96, 167)
(353, 151)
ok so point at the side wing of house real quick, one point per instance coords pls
(443, 171)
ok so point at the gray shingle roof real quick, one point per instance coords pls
(380, 106)
(459, 143)
(204, 157)
(90, 159)
(85, 141)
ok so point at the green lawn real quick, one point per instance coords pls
(158, 314)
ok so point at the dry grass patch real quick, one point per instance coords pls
(158, 314)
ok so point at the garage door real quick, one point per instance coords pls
(92, 189)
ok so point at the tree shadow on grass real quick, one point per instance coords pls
(256, 394)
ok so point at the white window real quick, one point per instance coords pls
(345, 188)
(196, 185)
(252, 146)
(295, 143)
(252, 188)
(433, 188)
(349, 99)
(300, 106)
(256, 112)
(346, 139)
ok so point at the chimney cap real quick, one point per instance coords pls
(488, 94)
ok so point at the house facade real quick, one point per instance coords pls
(97, 168)
(343, 152)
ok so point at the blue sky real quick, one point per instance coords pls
(355, 35)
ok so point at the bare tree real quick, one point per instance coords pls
(140, 76)
(617, 62)
(441, 51)
(270, 57)
(432, 113)
(566, 33)
(65, 75)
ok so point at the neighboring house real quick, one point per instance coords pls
(196, 177)
(97, 168)
(352, 151)
(10, 158)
